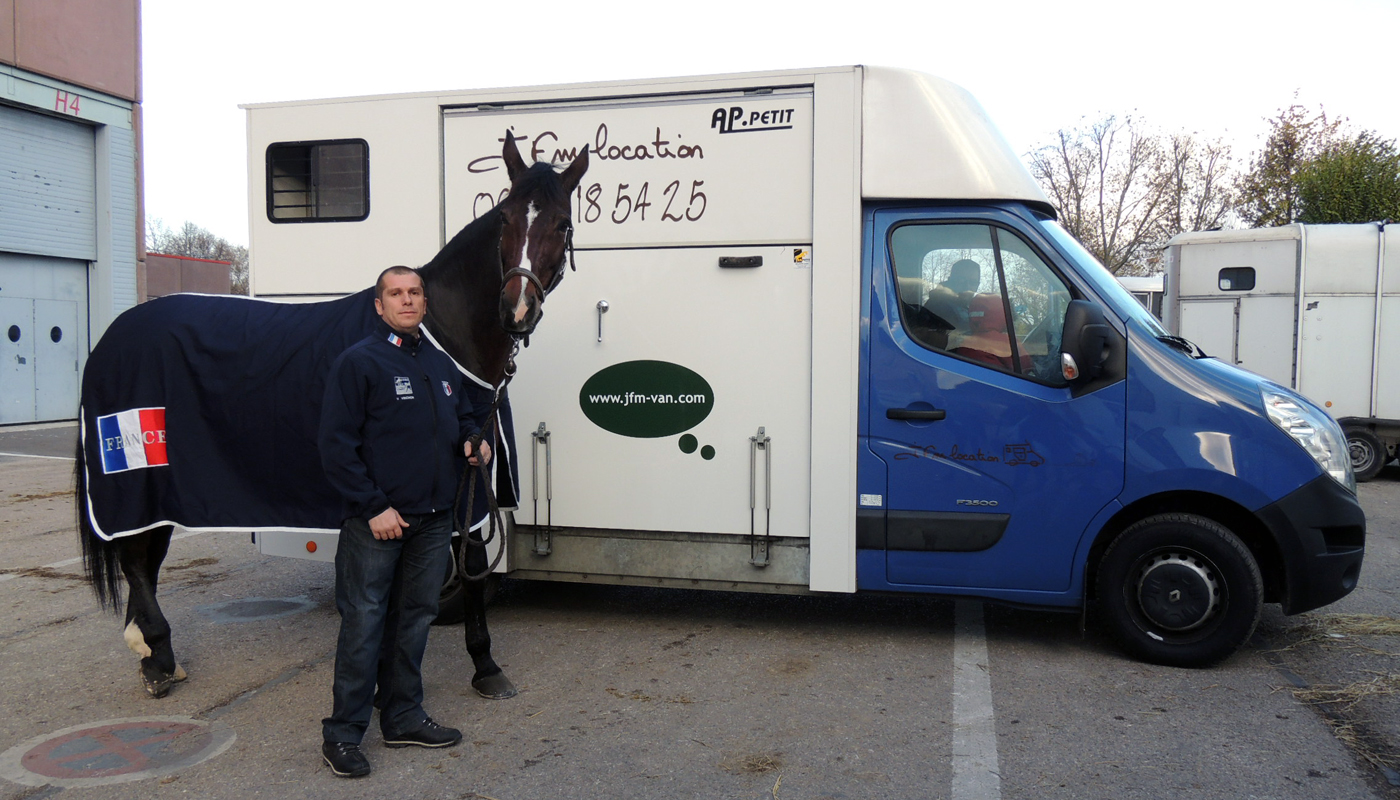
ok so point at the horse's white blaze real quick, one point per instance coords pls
(522, 307)
(135, 640)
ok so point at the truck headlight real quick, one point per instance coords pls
(1312, 429)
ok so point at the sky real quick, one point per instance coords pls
(1217, 69)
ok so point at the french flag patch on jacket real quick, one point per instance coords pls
(132, 439)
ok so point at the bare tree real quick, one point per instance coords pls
(1123, 190)
(193, 241)
(1105, 179)
(1199, 193)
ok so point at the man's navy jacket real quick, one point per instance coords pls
(393, 422)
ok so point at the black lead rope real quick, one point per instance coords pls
(468, 482)
(468, 479)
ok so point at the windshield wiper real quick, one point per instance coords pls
(1185, 345)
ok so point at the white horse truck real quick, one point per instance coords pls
(826, 336)
(1313, 307)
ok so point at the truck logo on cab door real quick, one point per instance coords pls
(735, 120)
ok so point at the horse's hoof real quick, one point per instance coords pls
(180, 674)
(495, 687)
(157, 685)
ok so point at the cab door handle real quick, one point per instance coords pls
(915, 413)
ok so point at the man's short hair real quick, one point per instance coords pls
(964, 271)
(396, 270)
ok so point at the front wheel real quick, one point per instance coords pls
(1367, 453)
(1180, 590)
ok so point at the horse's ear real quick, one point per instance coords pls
(574, 173)
(515, 165)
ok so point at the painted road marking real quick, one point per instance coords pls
(9, 576)
(975, 770)
(115, 751)
(30, 455)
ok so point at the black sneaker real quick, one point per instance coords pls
(429, 734)
(345, 759)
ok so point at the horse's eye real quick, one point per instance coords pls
(565, 226)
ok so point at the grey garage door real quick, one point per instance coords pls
(48, 186)
(48, 236)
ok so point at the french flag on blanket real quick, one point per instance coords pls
(132, 439)
(223, 394)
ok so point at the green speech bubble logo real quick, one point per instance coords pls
(646, 399)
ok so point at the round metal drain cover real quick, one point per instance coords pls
(115, 751)
(253, 609)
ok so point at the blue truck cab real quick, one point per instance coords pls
(1031, 434)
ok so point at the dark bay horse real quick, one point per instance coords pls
(202, 411)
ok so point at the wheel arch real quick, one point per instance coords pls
(1238, 519)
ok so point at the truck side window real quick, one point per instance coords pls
(982, 294)
(323, 181)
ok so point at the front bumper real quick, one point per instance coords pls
(1321, 534)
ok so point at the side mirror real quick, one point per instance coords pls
(1084, 349)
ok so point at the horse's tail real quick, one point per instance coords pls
(100, 557)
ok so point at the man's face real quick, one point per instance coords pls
(402, 304)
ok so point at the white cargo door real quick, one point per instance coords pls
(651, 405)
(1388, 349)
(1335, 353)
(1337, 342)
(1211, 325)
(1265, 342)
(650, 427)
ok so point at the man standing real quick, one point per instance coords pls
(393, 420)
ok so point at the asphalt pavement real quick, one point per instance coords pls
(636, 692)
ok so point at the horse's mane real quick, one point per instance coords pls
(469, 267)
(482, 234)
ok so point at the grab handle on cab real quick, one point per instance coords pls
(915, 413)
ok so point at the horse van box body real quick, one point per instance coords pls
(826, 336)
(1313, 307)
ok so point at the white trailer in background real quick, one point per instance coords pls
(1313, 307)
(1146, 289)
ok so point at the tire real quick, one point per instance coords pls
(1180, 590)
(1368, 454)
(452, 602)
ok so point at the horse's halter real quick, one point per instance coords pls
(532, 278)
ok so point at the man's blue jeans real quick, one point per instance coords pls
(387, 594)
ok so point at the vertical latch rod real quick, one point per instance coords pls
(759, 545)
(544, 536)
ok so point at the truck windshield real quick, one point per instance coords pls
(1103, 281)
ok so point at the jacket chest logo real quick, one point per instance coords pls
(403, 388)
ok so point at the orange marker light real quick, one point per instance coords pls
(310, 547)
(1329, 403)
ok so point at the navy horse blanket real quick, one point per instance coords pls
(202, 411)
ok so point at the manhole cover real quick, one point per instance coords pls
(115, 751)
(252, 609)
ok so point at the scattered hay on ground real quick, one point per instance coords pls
(1381, 684)
(1341, 630)
(752, 764)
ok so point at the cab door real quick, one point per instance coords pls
(995, 465)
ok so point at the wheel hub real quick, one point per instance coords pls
(1177, 592)
(1361, 455)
